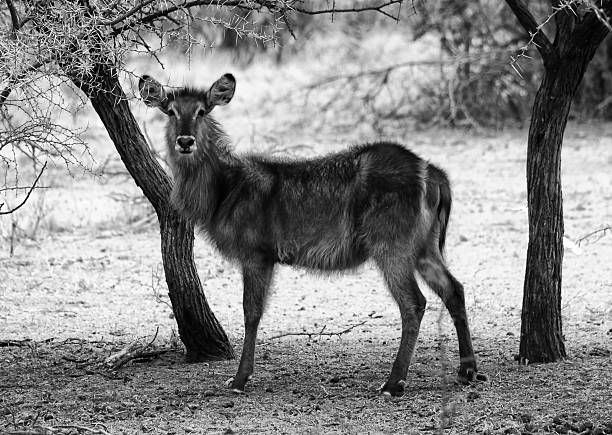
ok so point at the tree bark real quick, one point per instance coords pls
(541, 326)
(199, 330)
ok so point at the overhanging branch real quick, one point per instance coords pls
(380, 8)
(274, 6)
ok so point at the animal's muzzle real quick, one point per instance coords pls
(185, 144)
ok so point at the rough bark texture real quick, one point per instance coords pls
(565, 64)
(201, 333)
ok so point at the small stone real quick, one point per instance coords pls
(269, 390)
(587, 425)
(228, 404)
(571, 426)
(473, 395)
(208, 393)
(557, 420)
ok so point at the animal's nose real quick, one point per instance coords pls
(185, 141)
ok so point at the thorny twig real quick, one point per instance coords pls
(319, 333)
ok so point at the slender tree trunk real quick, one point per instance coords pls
(541, 328)
(201, 333)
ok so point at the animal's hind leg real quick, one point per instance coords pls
(256, 280)
(403, 286)
(438, 277)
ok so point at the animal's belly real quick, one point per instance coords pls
(323, 253)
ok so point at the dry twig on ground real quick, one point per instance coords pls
(319, 333)
(136, 350)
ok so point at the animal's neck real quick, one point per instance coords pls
(198, 182)
(195, 193)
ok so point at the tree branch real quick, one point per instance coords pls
(535, 31)
(14, 18)
(380, 8)
(14, 79)
(162, 13)
(27, 196)
(128, 14)
(250, 5)
(595, 25)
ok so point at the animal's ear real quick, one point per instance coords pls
(152, 92)
(221, 92)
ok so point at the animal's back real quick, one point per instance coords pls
(323, 211)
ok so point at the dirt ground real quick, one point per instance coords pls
(89, 282)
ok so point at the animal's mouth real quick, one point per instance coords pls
(185, 150)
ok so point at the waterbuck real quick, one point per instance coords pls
(376, 201)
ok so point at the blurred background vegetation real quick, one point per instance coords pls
(445, 63)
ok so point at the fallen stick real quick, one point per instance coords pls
(15, 343)
(133, 351)
(320, 333)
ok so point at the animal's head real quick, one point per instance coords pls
(188, 110)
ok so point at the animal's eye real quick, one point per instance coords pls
(201, 112)
(171, 113)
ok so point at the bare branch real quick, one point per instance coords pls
(27, 196)
(380, 8)
(129, 13)
(535, 30)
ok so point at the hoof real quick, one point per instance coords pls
(393, 390)
(470, 375)
(236, 384)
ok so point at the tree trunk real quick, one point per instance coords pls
(201, 333)
(541, 328)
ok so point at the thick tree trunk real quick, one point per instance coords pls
(201, 333)
(541, 327)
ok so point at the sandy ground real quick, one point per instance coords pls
(90, 281)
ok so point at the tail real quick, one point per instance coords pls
(440, 185)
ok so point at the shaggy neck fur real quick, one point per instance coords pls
(198, 178)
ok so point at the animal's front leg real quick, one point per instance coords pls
(256, 280)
